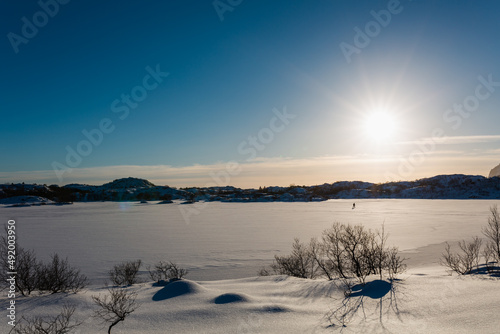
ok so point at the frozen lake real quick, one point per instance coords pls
(229, 240)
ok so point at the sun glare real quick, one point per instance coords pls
(379, 125)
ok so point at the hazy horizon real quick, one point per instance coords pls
(218, 182)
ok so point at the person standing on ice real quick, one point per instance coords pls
(353, 206)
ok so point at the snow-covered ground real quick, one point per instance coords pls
(225, 245)
(25, 200)
(229, 240)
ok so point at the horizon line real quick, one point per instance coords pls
(227, 185)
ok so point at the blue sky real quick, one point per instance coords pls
(225, 78)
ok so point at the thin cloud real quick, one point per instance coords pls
(267, 171)
(456, 140)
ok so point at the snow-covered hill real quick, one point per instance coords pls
(133, 189)
(128, 183)
(495, 171)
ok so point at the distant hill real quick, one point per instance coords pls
(128, 183)
(456, 186)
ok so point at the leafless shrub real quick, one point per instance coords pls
(317, 252)
(345, 251)
(115, 306)
(334, 252)
(380, 254)
(176, 272)
(356, 242)
(31, 274)
(491, 262)
(394, 263)
(59, 276)
(463, 263)
(263, 272)
(60, 324)
(353, 251)
(125, 273)
(492, 233)
(26, 266)
(300, 263)
(21, 261)
(166, 271)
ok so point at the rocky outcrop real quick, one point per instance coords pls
(495, 171)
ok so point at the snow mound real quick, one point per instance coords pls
(177, 289)
(228, 298)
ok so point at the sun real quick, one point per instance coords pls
(380, 125)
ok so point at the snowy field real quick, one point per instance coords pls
(229, 240)
(225, 245)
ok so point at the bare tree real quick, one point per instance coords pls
(492, 232)
(345, 251)
(59, 276)
(318, 255)
(356, 242)
(334, 251)
(60, 324)
(116, 306)
(167, 271)
(125, 273)
(463, 263)
(19, 260)
(300, 263)
(26, 266)
(176, 272)
(394, 263)
(31, 274)
(380, 253)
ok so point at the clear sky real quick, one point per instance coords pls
(248, 93)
